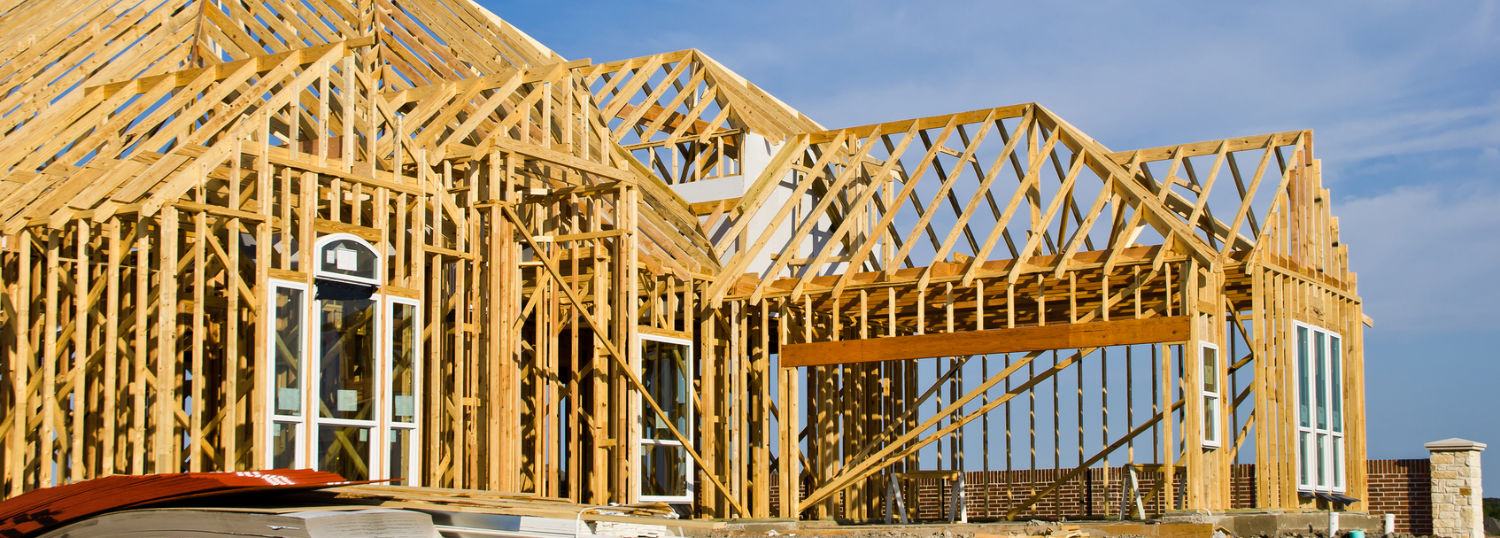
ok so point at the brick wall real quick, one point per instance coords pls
(1400, 487)
(1242, 486)
(1096, 493)
(1404, 488)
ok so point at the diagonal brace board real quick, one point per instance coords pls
(600, 328)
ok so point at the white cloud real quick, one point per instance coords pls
(1418, 131)
(1136, 76)
(1426, 255)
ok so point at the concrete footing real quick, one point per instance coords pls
(1287, 524)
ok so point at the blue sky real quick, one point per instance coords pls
(1404, 100)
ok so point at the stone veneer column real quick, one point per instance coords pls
(1457, 510)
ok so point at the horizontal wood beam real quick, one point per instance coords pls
(532, 75)
(221, 71)
(637, 62)
(1069, 336)
(674, 120)
(930, 122)
(1208, 147)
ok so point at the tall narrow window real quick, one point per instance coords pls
(1335, 380)
(1320, 422)
(347, 338)
(285, 339)
(401, 431)
(666, 470)
(1211, 413)
(1304, 410)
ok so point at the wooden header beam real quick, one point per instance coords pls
(922, 346)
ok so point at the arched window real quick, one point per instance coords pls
(347, 258)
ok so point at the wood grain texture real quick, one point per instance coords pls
(993, 341)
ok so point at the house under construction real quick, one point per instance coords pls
(400, 239)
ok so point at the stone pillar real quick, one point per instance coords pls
(1457, 510)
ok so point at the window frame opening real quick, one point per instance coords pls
(1211, 390)
(646, 445)
(1318, 386)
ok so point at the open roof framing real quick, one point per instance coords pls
(559, 244)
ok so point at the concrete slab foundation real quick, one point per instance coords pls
(1269, 524)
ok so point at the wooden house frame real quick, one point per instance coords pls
(646, 279)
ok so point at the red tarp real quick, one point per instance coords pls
(39, 510)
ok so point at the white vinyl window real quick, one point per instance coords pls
(1320, 413)
(344, 376)
(665, 469)
(402, 382)
(1212, 423)
(287, 341)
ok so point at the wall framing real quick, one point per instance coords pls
(915, 294)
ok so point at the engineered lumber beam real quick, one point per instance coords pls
(1068, 336)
